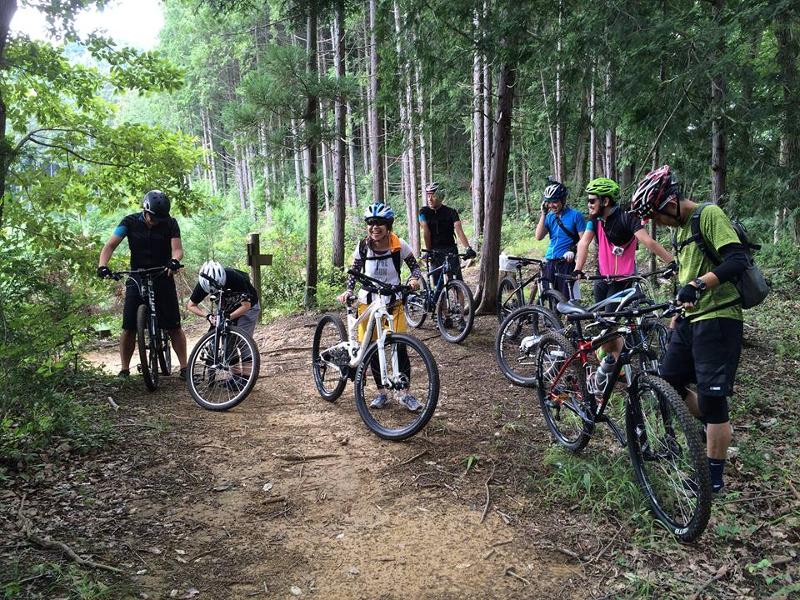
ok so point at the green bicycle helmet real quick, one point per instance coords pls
(603, 186)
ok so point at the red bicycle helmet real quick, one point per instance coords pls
(654, 191)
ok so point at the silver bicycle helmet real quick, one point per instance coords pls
(215, 271)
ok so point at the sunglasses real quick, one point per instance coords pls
(592, 200)
(377, 222)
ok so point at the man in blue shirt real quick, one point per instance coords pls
(564, 225)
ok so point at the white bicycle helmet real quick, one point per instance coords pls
(214, 270)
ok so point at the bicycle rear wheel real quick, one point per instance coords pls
(508, 298)
(563, 396)
(668, 457)
(148, 359)
(516, 343)
(165, 355)
(223, 369)
(329, 364)
(454, 312)
(409, 402)
(416, 305)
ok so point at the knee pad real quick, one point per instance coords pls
(713, 408)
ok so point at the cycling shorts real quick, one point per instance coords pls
(605, 289)
(169, 317)
(706, 353)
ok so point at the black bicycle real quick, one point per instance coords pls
(511, 291)
(663, 439)
(152, 341)
(224, 364)
(448, 300)
(520, 332)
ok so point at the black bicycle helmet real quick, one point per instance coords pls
(555, 191)
(157, 204)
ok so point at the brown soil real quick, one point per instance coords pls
(288, 495)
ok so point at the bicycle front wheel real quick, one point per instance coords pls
(329, 364)
(517, 342)
(165, 354)
(148, 359)
(508, 298)
(668, 457)
(406, 403)
(454, 312)
(416, 306)
(563, 397)
(223, 369)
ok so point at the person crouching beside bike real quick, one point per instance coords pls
(242, 309)
(154, 239)
(379, 255)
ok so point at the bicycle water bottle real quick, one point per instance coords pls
(604, 372)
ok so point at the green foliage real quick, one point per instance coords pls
(50, 580)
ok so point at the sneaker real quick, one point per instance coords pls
(379, 401)
(410, 402)
(182, 374)
(124, 373)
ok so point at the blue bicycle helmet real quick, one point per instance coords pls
(379, 210)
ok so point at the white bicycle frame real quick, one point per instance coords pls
(374, 315)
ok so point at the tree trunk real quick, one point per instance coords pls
(526, 188)
(718, 136)
(351, 158)
(376, 163)
(611, 137)
(311, 141)
(477, 140)
(488, 133)
(490, 252)
(592, 128)
(423, 157)
(299, 171)
(339, 205)
(787, 34)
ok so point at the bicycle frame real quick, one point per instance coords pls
(374, 316)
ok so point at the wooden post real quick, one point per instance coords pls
(256, 260)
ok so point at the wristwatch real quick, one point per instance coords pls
(699, 284)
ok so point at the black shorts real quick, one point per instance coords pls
(551, 271)
(437, 260)
(606, 289)
(169, 317)
(706, 353)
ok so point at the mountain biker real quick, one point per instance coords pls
(564, 225)
(243, 307)
(154, 239)
(379, 255)
(705, 344)
(440, 226)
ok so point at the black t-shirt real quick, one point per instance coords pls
(619, 227)
(240, 290)
(150, 247)
(441, 223)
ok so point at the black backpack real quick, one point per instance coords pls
(752, 286)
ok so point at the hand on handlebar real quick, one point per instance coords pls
(174, 265)
(469, 253)
(104, 272)
(578, 274)
(344, 296)
(671, 270)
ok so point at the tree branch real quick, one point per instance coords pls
(78, 156)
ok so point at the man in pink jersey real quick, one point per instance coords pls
(617, 233)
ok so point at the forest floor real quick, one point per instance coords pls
(291, 496)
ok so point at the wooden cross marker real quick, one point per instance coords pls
(256, 260)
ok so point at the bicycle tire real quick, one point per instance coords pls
(165, 353)
(508, 298)
(416, 305)
(454, 317)
(431, 398)
(550, 299)
(207, 388)
(561, 387)
(518, 363)
(679, 497)
(319, 368)
(145, 351)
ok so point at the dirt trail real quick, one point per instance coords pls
(225, 504)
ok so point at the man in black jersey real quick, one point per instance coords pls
(440, 226)
(154, 239)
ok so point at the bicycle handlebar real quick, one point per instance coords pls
(526, 261)
(443, 253)
(610, 278)
(381, 287)
(117, 275)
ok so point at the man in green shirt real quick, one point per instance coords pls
(706, 342)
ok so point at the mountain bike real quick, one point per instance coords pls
(448, 300)
(519, 333)
(663, 439)
(152, 341)
(511, 291)
(224, 364)
(397, 367)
